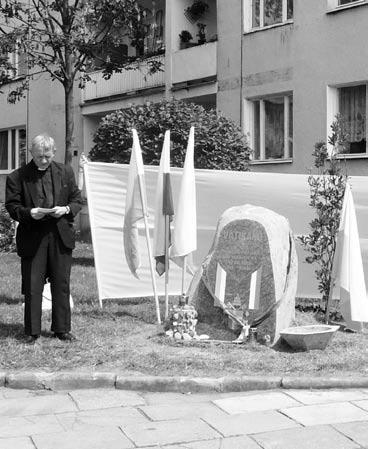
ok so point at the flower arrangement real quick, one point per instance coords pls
(182, 322)
(185, 36)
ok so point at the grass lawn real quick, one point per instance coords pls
(122, 337)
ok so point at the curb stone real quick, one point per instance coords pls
(325, 382)
(179, 384)
(59, 381)
(247, 383)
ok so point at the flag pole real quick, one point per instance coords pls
(184, 269)
(150, 257)
(167, 238)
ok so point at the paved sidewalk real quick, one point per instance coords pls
(117, 419)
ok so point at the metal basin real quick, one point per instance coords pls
(305, 338)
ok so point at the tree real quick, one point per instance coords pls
(327, 193)
(219, 143)
(67, 39)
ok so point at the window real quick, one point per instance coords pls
(345, 2)
(350, 103)
(334, 4)
(12, 149)
(16, 61)
(269, 121)
(265, 13)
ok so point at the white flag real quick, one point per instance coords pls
(348, 267)
(134, 206)
(184, 240)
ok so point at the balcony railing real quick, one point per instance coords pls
(124, 82)
(195, 63)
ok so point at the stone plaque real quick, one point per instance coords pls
(254, 253)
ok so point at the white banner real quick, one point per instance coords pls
(286, 194)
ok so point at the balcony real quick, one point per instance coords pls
(195, 63)
(124, 82)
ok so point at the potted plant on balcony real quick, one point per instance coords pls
(196, 10)
(185, 38)
(201, 33)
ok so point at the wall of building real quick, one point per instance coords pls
(10, 116)
(229, 58)
(45, 115)
(317, 50)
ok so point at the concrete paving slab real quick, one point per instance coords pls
(169, 432)
(356, 431)
(242, 442)
(251, 422)
(25, 426)
(362, 404)
(41, 405)
(310, 397)
(10, 393)
(17, 443)
(107, 417)
(111, 438)
(190, 398)
(257, 402)
(337, 412)
(97, 399)
(315, 437)
(181, 411)
(177, 398)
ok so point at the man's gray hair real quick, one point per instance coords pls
(43, 142)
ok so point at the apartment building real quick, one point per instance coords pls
(282, 69)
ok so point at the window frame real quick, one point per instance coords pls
(13, 159)
(332, 100)
(248, 17)
(334, 5)
(249, 123)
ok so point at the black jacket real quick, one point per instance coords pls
(21, 196)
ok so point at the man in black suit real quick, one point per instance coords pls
(43, 198)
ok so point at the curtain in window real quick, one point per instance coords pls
(353, 110)
(290, 9)
(274, 128)
(4, 150)
(255, 13)
(272, 12)
(22, 147)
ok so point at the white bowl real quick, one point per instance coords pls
(315, 336)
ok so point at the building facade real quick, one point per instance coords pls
(281, 69)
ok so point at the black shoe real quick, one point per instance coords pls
(31, 339)
(65, 336)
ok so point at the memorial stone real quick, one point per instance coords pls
(250, 271)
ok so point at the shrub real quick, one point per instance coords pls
(327, 194)
(219, 143)
(7, 229)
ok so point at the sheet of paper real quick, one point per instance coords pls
(45, 211)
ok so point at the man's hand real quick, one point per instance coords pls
(59, 211)
(36, 214)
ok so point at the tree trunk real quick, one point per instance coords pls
(69, 121)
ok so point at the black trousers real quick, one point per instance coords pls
(52, 260)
